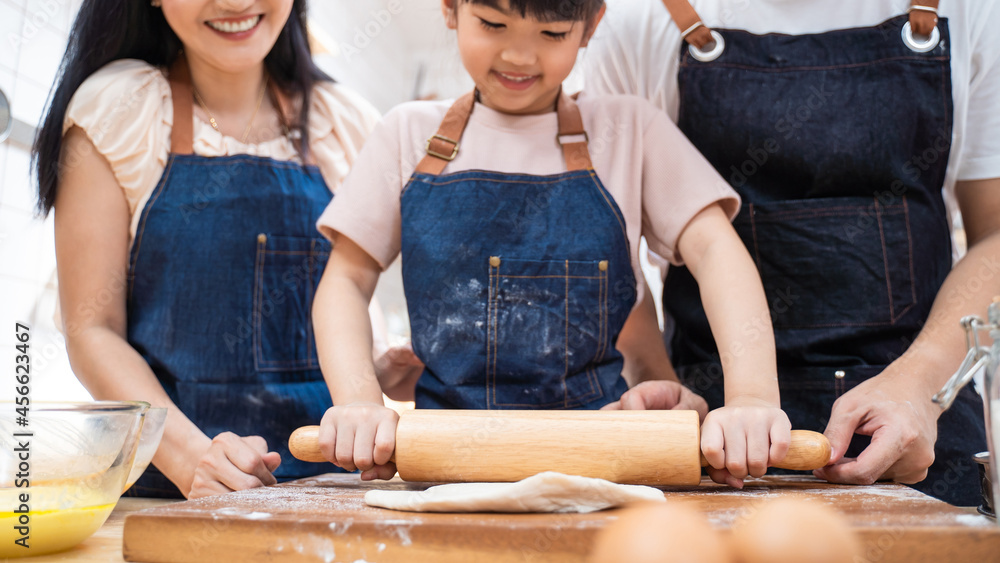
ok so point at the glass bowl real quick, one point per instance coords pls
(62, 473)
(149, 439)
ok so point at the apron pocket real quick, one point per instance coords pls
(287, 271)
(832, 262)
(547, 328)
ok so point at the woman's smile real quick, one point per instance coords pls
(235, 29)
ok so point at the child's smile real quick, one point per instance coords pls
(515, 80)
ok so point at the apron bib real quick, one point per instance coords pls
(517, 285)
(838, 144)
(222, 273)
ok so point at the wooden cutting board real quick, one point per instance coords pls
(325, 519)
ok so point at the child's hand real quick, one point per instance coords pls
(360, 436)
(744, 438)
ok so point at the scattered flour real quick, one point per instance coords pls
(973, 520)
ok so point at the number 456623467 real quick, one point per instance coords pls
(22, 362)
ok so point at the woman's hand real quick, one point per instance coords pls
(360, 436)
(743, 439)
(234, 463)
(660, 395)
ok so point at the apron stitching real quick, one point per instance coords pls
(504, 181)
(817, 68)
(909, 245)
(309, 300)
(885, 261)
(491, 366)
(553, 277)
(566, 356)
(145, 216)
(766, 217)
(600, 190)
(753, 229)
(600, 320)
(832, 325)
(258, 275)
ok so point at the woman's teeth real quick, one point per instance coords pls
(235, 27)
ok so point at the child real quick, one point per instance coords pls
(519, 231)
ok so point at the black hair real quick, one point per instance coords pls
(549, 10)
(109, 30)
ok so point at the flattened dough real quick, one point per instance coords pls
(546, 492)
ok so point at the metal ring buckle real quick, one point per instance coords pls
(713, 53)
(921, 46)
(448, 157)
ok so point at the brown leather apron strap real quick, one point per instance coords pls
(689, 22)
(443, 146)
(572, 136)
(182, 97)
(923, 16)
(182, 131)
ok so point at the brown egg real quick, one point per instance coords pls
(660, 533)
(794, 530)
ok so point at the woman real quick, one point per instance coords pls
(188, 150)
(845, 130)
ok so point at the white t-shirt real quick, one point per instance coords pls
(656, 176)
(636, 48)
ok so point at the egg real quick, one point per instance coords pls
(660, 533)
(794, 530)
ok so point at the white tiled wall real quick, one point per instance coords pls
(33, 35)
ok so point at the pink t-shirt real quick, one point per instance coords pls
(657, 178)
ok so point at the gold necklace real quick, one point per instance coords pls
(215, 124)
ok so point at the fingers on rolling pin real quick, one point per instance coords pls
(660, 533)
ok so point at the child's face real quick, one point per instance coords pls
(230, 35)
(518, 63)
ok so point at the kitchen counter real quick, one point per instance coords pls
(325, 519)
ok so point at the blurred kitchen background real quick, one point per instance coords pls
(390, 51)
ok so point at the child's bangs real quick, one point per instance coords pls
(546, 10)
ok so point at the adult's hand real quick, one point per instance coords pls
(900, 418)
(660, 395)
(398, 370)
(233, 463)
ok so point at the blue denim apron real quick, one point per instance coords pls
(222, 272)
(838, 144)
(517, 285)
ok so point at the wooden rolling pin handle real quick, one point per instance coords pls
(304, 445)
(808, 450)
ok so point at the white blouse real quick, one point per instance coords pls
(125, 108)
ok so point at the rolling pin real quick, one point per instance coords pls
(631, 447)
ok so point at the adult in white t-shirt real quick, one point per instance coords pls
(853, 131)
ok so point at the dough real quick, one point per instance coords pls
(546, 492)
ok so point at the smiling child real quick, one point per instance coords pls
(518, 212)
